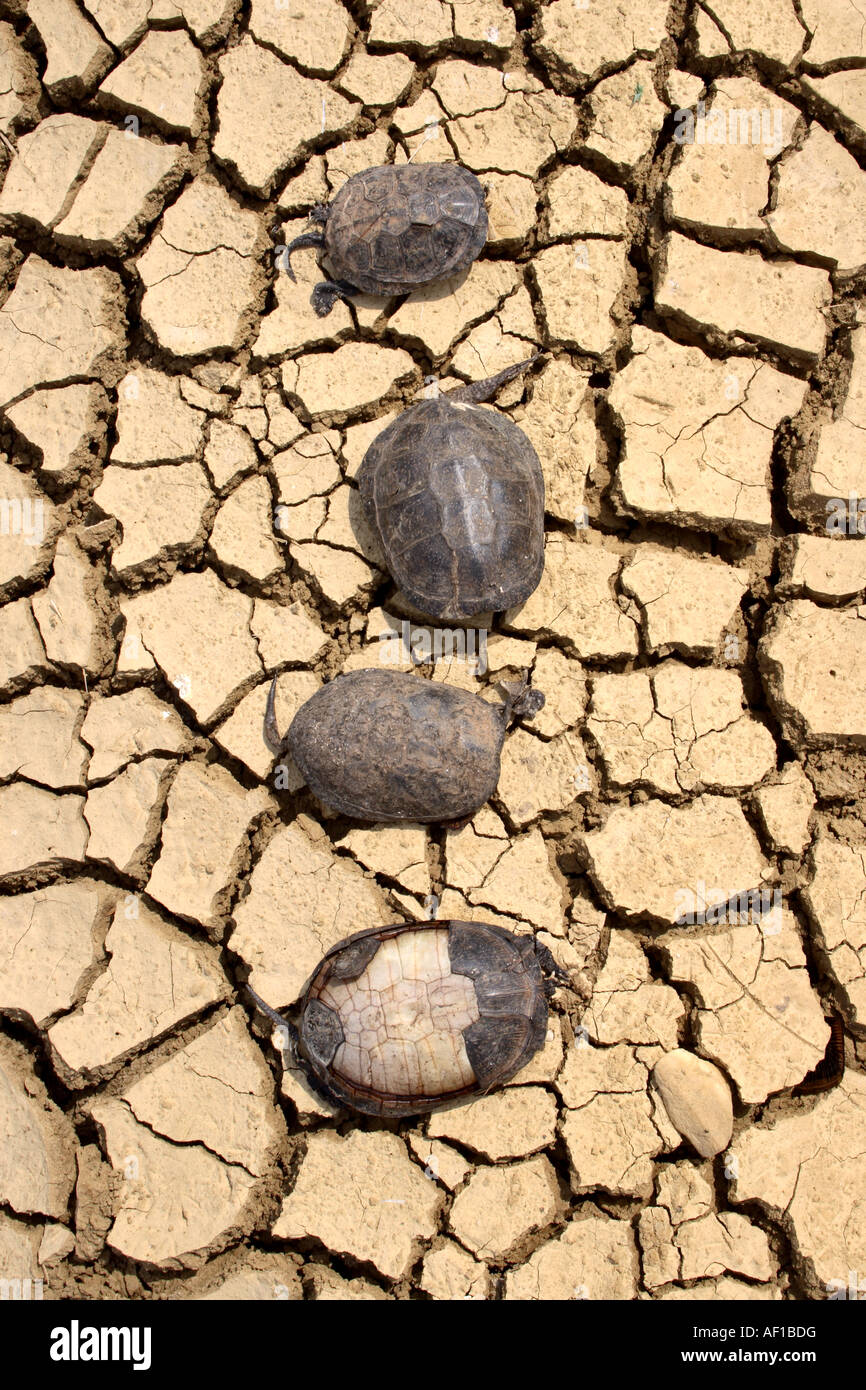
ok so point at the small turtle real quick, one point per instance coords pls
(406, 1019)
(392, 229)
(386, 746)
(456, 494)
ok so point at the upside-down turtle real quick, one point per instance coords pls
(410, 1018)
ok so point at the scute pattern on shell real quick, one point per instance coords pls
(385, 746)
(456, 493)
(422, 1016)
(391, 229)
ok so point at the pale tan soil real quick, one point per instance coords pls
(180, 438)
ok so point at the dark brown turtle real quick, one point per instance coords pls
(456, 494)
(390, 230)
(386, 746)
(409, 1018)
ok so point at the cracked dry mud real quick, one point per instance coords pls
(179, 444)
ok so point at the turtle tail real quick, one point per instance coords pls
(316, 238)
(272, 733)
(287, 1031)
(264, 1008)
(477, 391)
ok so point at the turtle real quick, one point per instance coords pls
(390, 747)
(413, 1017)
(391, 229)
(455, 494)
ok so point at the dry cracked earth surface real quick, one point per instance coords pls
(678, 219)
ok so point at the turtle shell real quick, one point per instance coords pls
(392, 229)
(385, 746)
(456, 494)
(404, 1019)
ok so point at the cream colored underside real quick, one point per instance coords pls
(403, 1018)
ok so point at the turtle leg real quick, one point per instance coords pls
(477, 391)
(326, 294)
(522, 701)
(528, 703)
(305, 239)
(550, 966)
